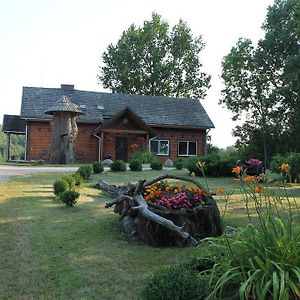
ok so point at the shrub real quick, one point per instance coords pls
(85, 171)
(293, 160)
(98, 167)
(69, 197)
(78, 179)
(215, 165)
(59, 186)
(135, 165)
(144, 157)
(177, 282)
(178, 164)
(70, 180)
(262, 260)
(156, 165)
(118, 166)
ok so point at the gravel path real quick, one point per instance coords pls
(7, 171)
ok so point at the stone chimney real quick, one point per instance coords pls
(67, 87)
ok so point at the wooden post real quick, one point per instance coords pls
(8, 147)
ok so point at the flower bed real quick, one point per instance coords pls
(174, 197)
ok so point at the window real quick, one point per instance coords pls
(160, 147)
(187, 148)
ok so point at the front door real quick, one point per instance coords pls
(122, 148)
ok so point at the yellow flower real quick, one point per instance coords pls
(259, 189)
(193, 174)
(220, 191)
(284, 167)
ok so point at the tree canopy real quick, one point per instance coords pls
(154, 60)
(262, 84)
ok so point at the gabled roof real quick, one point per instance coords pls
(154, 110)
(64, 104)
(124, 114)
(13, 124)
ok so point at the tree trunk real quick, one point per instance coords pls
(156, 225)
(64, 131)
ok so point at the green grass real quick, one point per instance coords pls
(49, 251)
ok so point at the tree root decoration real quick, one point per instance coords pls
(156, 225)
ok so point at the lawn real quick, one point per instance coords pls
(49, 251)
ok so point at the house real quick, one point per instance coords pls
(114, 125)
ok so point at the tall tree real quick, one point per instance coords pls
(154, 60)
(262, 83)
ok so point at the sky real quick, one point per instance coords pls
(46, 43)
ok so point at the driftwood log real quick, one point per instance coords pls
(156, 225)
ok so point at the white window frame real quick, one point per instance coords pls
(187, 148)
(158, 147)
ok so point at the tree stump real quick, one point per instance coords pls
(156, 225)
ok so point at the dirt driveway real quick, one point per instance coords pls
(7, 171)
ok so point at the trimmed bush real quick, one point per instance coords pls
(59, 186)
(144, 157)
(70, 180)
(85, 171)
(177, 282)
(178, 164)
(69, 197)
(118, 166)
(98, 167)
(135, 165)
(214, 165)
(78, 179)
(156, 165)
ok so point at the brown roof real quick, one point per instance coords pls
(64, 104)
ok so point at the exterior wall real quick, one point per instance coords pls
(139, 142)
(176, 135)
(135, 143)
(39, 138)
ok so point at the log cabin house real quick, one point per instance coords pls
(114, 125)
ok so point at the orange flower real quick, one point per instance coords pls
(259, 189)
(284, 167)
(237, 170)
(220, 191)
(249, 179)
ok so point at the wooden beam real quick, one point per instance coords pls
(127, 132)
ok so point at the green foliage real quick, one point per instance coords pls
(77, 178)
(144, 156)
(69, 197)
(135, 165)
(215, 165)
(156, 165)
(59, 186)
(98, 167)
(177, 282)
(118, 166)
(178, 164)
(17, 145)
(70, 180)
(85, 171)
(154, 60)
(263, 262)
(293, 159)
(263, 81)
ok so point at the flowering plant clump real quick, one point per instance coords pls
(174, 196)
(254, 161)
